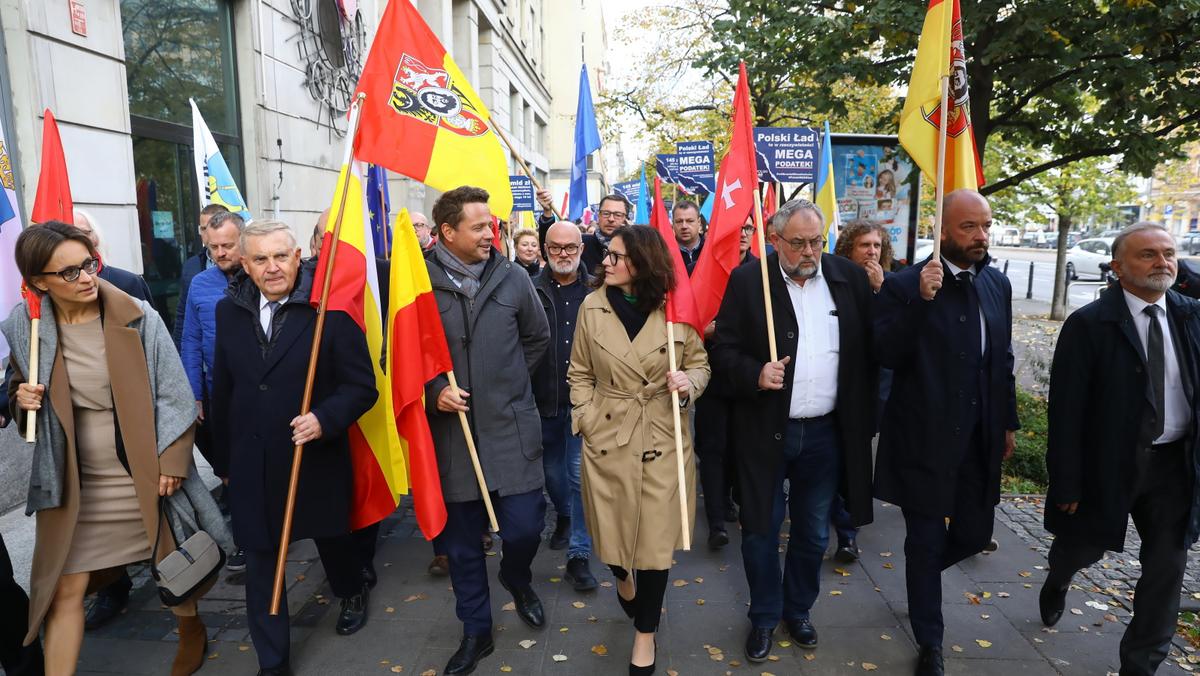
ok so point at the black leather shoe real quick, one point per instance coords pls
(579, 575)
(282, 670)
(369, 575)
(562, 533)
(1051, 602)
(803, 632)
(929, 662)
(354, 612)
(758, 644)
(470, 651)
(529, 606)
(717, 538)
(648, 670)
(105, 609)
(847, 552)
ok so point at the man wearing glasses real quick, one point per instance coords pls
(561, 287)
(614, 212)
(806, 417)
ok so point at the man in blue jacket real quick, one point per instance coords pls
(944, 327)
(193, 266)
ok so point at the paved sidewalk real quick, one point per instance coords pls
(990, 609)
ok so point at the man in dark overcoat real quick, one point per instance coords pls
(945, 329)
(498, 335)
(263, 342)
(806, 417)
(1123, 439)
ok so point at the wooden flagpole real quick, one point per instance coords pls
(474, 453)
(766, 282)
(940, 179)
(285, 534)
(521, 162)
(683, 501)
(31, 416)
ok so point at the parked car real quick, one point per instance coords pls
(1008, 237)
(923, 249)
(1085, 257)
(1052, 240)
(1189, 244)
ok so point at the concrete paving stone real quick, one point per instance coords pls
(965, 626)
(362, 652)
(969, 667)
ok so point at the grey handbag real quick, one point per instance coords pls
(194, 562)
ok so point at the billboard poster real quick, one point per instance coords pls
(522, 192)
(632, 190)
(667, 166)
(697, 173)
(786, 154)
(876, 180)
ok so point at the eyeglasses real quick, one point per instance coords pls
(747, 229)
(817, 243)
(612, 214)
(614, 257)
(556, 250)
(71, 273)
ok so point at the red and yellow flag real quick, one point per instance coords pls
(940, 52)
(421, 117)
(380, 475)
(53, 199)
(417, 352)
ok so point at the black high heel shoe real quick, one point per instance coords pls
(635, 670)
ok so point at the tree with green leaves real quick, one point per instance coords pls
(1077, 79)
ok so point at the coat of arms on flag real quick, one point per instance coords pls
(957, 108)
(430, 95)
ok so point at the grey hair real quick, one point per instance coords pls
(220, 218)
(779, 219)
(1131, 229)
(263, 228)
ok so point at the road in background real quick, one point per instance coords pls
(1080, 293)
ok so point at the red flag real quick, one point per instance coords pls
(53, 200)
(566, 196)
(769, 202)
(736, 184)
(32, 300)
(681, 303)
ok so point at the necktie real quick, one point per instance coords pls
(972, 315)
(1156, 360)
(273, 306)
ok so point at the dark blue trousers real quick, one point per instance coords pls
(521, 518)
(812, 461)
(270, 633)
(931, 546)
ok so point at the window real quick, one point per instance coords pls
(176, 50)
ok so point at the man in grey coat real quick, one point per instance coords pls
(497, 334)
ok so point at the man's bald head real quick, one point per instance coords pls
(564, 232)
(421, 226)
(966, 222)
(318, 235)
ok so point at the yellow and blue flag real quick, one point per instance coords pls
(825, 193)
(216, 184)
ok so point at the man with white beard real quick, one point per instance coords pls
(561, 287)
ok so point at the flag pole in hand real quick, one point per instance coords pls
(766, 281)
(34, 303)
(682, 477)
(940, 180)
(474, 453)
(521, 162)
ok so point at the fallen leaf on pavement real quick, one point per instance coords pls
(985, 616)
(556, 579)
(505, 668)
(956, 648)
(600, 649)
(785, 644)
(679, 583)
(699, 602)
(842, 571)
(835, 593)
(397, 669)
(983, 644)
(511, 605)
(527, 643)
(429, 672)
(885, 637)
(987, 595)
(606, 584)
(867, 666)
(972, 598)
(417, 597)
(559, 658)
(579, 604)
(1025, 573)
(808, 656)
(889, 566)
(1076, 611)
(389, 609)
(564, 630)
(885, 554)
(699, 580)
(1003, 595)
(1097, 605)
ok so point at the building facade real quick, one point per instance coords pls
(1172, 195)
(273, 80)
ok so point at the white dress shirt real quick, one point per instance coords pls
(1177, 416)
(814, 382)
(954, 271)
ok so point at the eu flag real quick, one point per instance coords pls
(587, 141)
(379, 204)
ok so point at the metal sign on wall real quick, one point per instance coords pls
(78, 17)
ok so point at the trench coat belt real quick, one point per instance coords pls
(642, 397)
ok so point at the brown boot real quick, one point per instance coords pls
(193, 643)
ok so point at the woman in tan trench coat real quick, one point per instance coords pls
(621, 392)
(98, 468)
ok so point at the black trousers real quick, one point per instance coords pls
(366, 540)
(14, 624)
(651, 586)
(271, 634)
(1160, 513)
(712, 441)
(931, 546)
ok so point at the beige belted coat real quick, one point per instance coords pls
(622, 408)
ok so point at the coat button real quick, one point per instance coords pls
(791, 335)
(603, 452)
(1138, 369)
(662, 350)
(778, 436)
(962, 318)
(262, 386)
(962, 355)
(956, 430)
(974, 402)
(645, 382)
(608, 416)
(657, 453)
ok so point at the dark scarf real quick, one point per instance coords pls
(631, 318)
(465, 276)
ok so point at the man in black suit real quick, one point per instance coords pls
(805, 417)
(944, 327)
(264, 339)
(1131, 450)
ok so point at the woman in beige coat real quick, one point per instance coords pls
(621, 392)
(96, 484)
